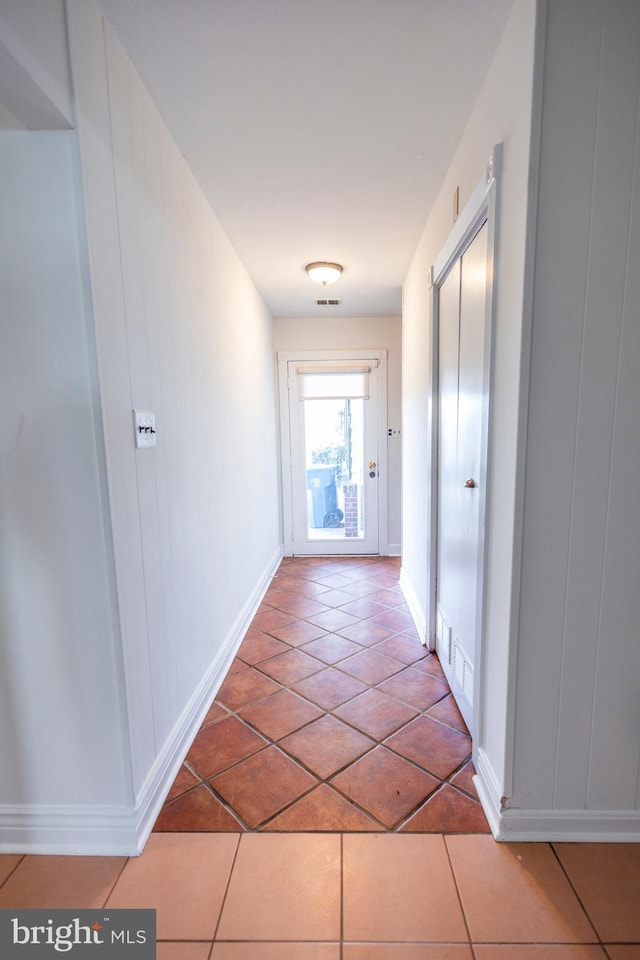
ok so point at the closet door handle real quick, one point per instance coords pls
(470, 483)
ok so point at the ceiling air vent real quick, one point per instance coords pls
(327, 303)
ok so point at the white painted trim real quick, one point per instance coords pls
(109, 831)
(575, 826)
(415, 608)
(393, 550)
(73, 830)
(469, 220)
(161, 776)
(535, 149)
(433, 416)
(284, 357)
(488, 787)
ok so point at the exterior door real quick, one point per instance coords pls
(333, 425)
(461, 366)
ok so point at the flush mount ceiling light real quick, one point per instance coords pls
(323, 272)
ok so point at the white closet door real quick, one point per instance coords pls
(462, 306)
(449, 333)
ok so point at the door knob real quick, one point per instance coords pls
(372, 464)
(470, 482)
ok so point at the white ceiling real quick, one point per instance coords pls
(318, 130)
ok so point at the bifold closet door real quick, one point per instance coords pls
(461, 325)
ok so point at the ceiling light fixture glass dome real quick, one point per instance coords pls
(323, 272)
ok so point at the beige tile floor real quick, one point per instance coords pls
(332, 896)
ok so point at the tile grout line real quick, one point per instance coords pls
(577, 895)
(14, 868)
(380, 827)
(244, 828)
(226, 890)
(116, 881)
(459, 895)
(341, 896)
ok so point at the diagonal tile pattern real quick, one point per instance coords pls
(261, 786)
(326, 745)
(219, 744)
(332, 717)
(386, 785)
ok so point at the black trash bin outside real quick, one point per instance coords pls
(323, 506)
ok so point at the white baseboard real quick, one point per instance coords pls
(123, 831)
(161, 776)
(576, 826)
(67, 829)
(489, 792)
(415, 608)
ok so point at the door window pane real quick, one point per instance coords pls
(317, 383)
(334, 457)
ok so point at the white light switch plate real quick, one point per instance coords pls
(144, 428)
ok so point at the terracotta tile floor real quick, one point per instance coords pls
(355, 896)
(333, 717)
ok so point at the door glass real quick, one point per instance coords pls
(334, 458)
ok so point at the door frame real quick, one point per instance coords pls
(366, 354)
(482, 206)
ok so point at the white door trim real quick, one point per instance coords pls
(482, 205)
(304, 356)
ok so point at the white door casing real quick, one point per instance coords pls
(303, 536)
(463, 351)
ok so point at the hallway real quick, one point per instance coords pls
(288, 747)
(333, 717)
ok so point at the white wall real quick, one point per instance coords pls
(62, 743)
(34, 63)
(8, 121)
(502, 114)
(354, 333)
(577, 735)
(558, 744)
(127, 577)
(181, 331)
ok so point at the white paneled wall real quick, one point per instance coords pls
(577, 746)
(181, 331)
(63, 749)
(558, 746)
